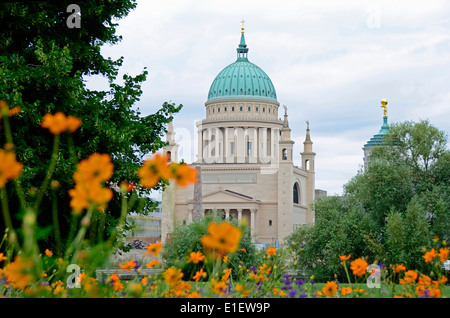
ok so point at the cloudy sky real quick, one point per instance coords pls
(331, 63)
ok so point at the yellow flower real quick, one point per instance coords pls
(154, 249)
(225, 258)
(172, 275)
(265, 269)
(10, 169)
(48, 253)
(330, 289)
(153, 170)
(359, 267)
(222, 237)
(196, 257)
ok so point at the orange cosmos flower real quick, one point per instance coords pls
(330, 289)
(154, 249)
(226, 275)
(217, 286)
(359, 267)
(443, 254)
(18, 272)
(410, 277)
(84, 196)
(241, 288)
(4, 111)
(10, 168)
(129, 265)
(183, 174)
(271, 251)
(196, 257)
(59, 123)
(48, 253)
(199, 275)
(344, 258)
(153, 170)
(172, 275)
(429, 256)
(153, 263)
(399, 268)
(346, 291)
(222, 237)
(96, 168)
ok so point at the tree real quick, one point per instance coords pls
(42, 64)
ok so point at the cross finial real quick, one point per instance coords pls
(242, 26)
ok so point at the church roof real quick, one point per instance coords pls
(378, 138)
(242, 80)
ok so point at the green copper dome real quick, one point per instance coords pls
(378, 138)
(242, 79)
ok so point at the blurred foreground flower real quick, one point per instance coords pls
(59, 123)
(10, 168)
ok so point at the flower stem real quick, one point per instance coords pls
(7, 219)
(56, 224)
(49, 174)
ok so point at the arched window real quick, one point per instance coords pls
(285, 155)
(296, 191)
(169, 156)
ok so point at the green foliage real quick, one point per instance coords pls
(340, 228)
(389, 212)
(186, 238)
(42, 64)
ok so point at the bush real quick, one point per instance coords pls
(186, 239)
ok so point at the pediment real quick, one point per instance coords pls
(226, 196)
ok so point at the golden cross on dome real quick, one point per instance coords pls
(242, 25)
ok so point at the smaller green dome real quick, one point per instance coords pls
(378, 138)
(242, 80)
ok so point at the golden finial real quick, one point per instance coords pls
(384, 103)
(242, 26)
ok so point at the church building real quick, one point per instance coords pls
(245, 159)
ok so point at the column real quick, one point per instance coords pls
(200, 145)
(227, 214)
(239, 215)
(190, 216)
(252, 221)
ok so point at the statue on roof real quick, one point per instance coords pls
(384, 105)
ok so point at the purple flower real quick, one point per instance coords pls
(292, 293)
(299, 282)
(303, 295)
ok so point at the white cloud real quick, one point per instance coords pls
(331, 62)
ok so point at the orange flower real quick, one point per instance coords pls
(2, 257)
(222, 237)
(196, 257)
(410, 277)
(199, 275)
(443, 254)
(59, 123)
(429, 256)
(8, 112)
(344, 258)
(18, 272)
(226, 275)
(271, 251)
(10, 169)
(96, 168)
(399, 268)
(172, 275)
(115, 281)
(83, 197)
(153, 170)
(218, 287)
(241, 288)
(330, 289)
(48, 253)
(346, 291)
(129, 265)
(359, 267)
(194, 294)
(183, 174)
(154, 249)
(153, 263)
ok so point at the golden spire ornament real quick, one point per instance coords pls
(384, 103)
